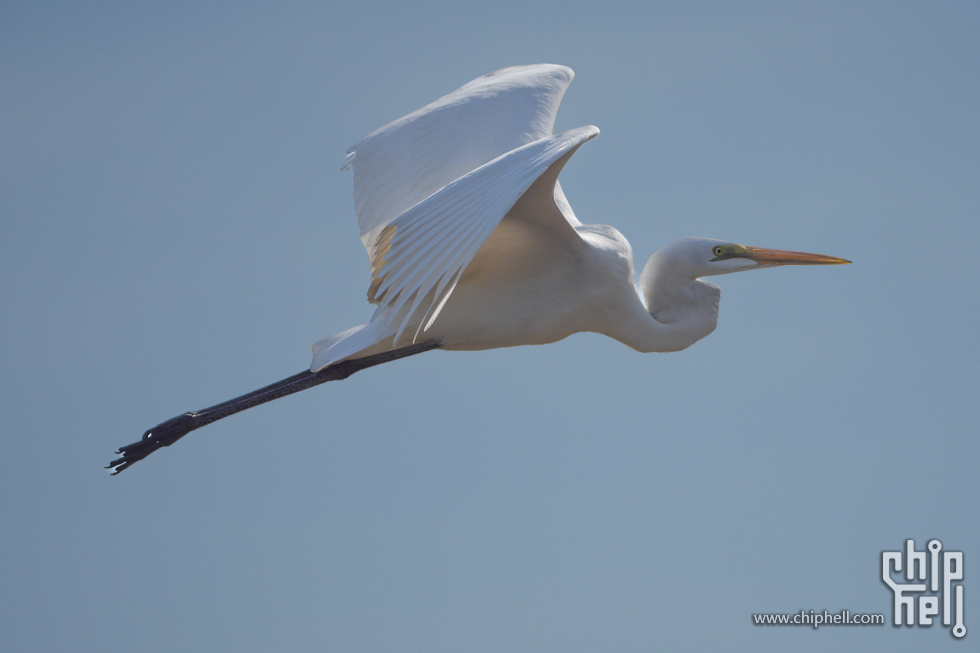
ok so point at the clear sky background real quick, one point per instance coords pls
(176, 231)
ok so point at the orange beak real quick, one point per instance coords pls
(764, 256)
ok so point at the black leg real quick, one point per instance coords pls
(166, 433)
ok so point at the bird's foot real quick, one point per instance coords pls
(161, 435)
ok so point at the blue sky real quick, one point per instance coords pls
(177, 231)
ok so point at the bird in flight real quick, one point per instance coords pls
(472, 245)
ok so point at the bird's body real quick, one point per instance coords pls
(472, 245)
(520, 291)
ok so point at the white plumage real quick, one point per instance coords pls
(472, 243)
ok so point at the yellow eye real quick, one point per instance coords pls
(718, 250)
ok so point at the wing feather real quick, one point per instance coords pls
(399, 165)
(424, 250)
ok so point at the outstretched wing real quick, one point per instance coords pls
(420, 255)
(409, 159)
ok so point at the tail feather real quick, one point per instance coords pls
(345, 344)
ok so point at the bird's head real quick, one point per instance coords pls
(674, 294)
(703, 257)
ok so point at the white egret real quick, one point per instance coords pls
(472, 245)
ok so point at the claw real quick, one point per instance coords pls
(161, 435)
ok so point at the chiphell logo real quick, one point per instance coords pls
(932, 576)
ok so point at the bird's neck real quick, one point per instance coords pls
(678, 313)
